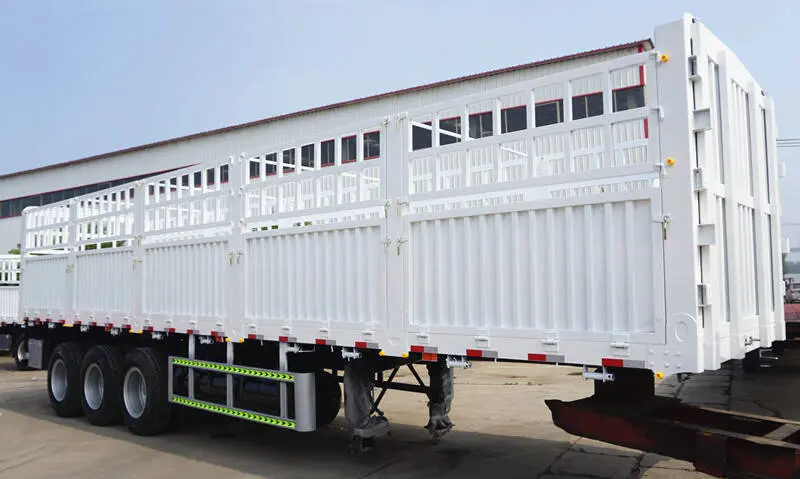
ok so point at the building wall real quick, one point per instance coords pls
(236, 141)
(10, 231)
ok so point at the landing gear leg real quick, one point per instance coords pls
(440, 400)
(358, 407)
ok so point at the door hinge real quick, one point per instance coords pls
(400, 243)
(665, 222)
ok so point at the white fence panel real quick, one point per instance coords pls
(332, 277)
(44, 290)
(103, 286)
(185, 285)
(9, 304)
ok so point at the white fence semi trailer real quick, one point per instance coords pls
(622, 216)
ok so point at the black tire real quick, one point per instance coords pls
(328, 397)
(64, 380)
(145, 405)
(101, 376)
(19, 350)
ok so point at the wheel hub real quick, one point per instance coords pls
(134, 392)
(93, 386)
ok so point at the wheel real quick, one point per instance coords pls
(19, 349)
(144, 392)
(329, 398)
(64, 380)
(101, 373)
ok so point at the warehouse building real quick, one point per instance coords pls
(48, 184)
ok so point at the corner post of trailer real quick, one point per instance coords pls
(774, 199)
(680, 253)
(706, 185)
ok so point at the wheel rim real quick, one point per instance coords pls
(22, 350)
(93, 386)
(134, 392)
(58, 380)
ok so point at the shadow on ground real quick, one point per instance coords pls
(262, 451)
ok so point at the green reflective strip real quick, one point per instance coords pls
(233, 369)
(237, 413)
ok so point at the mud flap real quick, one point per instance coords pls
(5, 342)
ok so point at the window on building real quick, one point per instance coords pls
(288, 159)
(421, 137)
(223, 174)
(450, 125)
(349, 149)
(480, 125)
(328, 153)
(210, 176)
(372, 145)
(549, 113)
(629, 98)
(513, 119)
(198, 179)
(585, 106)
(307, 156)
(255, 169)
(271, 166)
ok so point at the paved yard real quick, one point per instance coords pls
(503, 429)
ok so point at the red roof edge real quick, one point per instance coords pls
(646, 43)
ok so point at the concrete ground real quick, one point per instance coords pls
(503, 429)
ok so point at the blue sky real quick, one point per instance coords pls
(81, 77)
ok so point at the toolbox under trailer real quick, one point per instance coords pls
(622, 216)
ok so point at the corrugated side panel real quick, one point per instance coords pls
(100, 282)
(46, 285)
(329, 276)
(186, 282)
(747, 286)
(9, 303)
(586, 268)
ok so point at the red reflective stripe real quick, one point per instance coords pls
(252, 336)
(171, 330)
(417, 349)
(126, 326)
(537, 357)
(190, 331)
(474, 353)
(641, 75)
(429, 356)
(361, 344)
(614, 363)
(283, 339)
(646, 128)
(321, 341)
